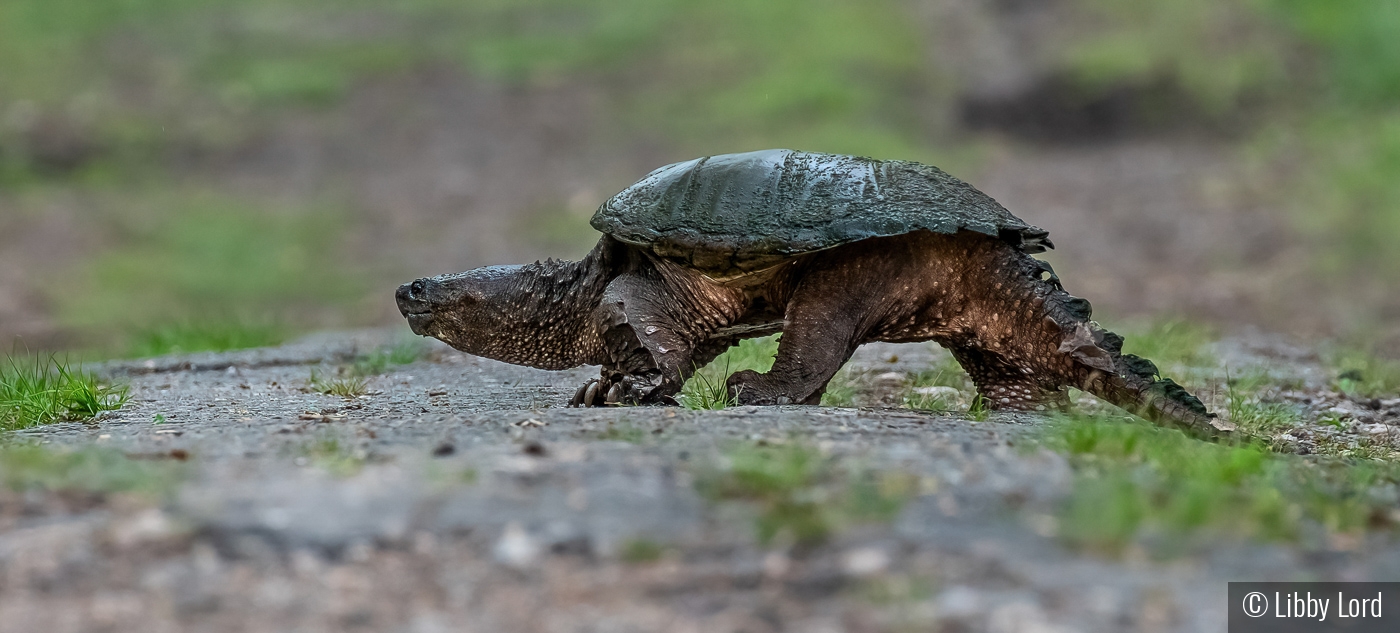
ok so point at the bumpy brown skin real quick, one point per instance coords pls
(649, 322)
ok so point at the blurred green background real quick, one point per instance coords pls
(191, 174)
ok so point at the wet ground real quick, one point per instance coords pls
(457, 495)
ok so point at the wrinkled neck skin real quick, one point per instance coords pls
(538, 315)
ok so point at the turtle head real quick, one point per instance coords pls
(533, 315)
(466, 310)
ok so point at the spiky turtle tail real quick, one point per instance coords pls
(1134, 384)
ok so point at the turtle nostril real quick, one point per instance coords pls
(415, 291)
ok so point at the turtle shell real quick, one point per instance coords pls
(735, 213)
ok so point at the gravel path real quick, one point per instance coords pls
(458, 496)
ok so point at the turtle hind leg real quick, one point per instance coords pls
(1004, 386)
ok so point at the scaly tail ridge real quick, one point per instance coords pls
(1135, 384)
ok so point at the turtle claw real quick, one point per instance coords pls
(613, 390)
(578, 395)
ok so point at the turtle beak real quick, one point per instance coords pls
(414, 305)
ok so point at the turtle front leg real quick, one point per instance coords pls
(650, 326)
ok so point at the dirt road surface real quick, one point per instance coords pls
(459, 495)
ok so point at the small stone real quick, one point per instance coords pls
(149, 526)
(515, 547)
(892, 378)
(948, 394)
(776, 565)
(960, 602)
(865, 561)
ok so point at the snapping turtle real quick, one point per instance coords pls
(832, 251)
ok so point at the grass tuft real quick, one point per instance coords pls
(841, 391)
(946, 372)
(348, 386)
(706, 389)
(1253, 414)
(978, 410)
(39, 391)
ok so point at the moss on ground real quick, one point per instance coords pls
(801, 495)
(26, 467)
(1141, 486)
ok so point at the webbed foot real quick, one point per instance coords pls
(616, 389)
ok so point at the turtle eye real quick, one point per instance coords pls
(416, 289)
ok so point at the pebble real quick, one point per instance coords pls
(515, 547)
(864, 561)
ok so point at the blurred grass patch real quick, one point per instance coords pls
(844, 77)
(137, 75)
(332, 452)
(623, 432)
(1362, 373)
(1171, 343)
(560, 228)
(1360, 40)
(802, 495)
(939, 388)
(1227, 53)
(25, 467)
(842, 390)
(201, 336)
(381, 360)
(1138, 485)
(351, 380)
(1344, 196)
(1221, 53)
(40, 390)
(1318, 80)
(639, 550)
(190, 273)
